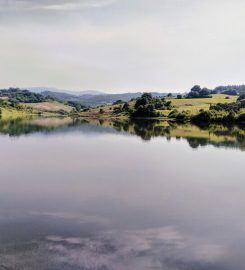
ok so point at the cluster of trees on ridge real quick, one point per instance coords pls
(144, 106)
(232, 90)
(4, 103)
(15, 97)
(148, 106)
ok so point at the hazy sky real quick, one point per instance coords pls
(122, 45)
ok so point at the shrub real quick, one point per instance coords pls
(172, 114)
(203, 116)
(118, 102)
(241, 117)
(126, 107)
(117, 109)
(179, 116)
(226, 107)
(214, 116)
(73, 111)
(145, 99)
(230, 92)
(168, 103)
(145, 111)
(241, 97)
(198, 92)
(230, 117)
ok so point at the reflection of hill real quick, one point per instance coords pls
(49, 126)
(216, 135)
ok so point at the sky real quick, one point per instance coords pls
(122, 45)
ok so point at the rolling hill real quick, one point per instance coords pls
(64, 91)
(95, 100)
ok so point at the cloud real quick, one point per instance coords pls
(123, 45)
(160, 248)
(63, 5)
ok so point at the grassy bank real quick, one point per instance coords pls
(194, 105)
(10, 112)
(51, 107)
(165, 108)
(170, 108)
(23, 110)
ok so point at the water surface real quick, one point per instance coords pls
(110, 195)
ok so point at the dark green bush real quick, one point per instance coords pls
(241, 117)
(179, 116)
(145, 111)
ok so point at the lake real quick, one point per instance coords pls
(101, 195)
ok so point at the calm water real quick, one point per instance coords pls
(133, 196)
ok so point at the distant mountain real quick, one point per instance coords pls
(90, 98)
(95, 100)
(110, 98)
(62, 96)
(70, 92)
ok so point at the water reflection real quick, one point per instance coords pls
(92, 195)
(162, 248)
(214, 134)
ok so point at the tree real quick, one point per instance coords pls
(145, 99)
(145, 111)
(126, 107)
(119, 101)
(168, 103)
(196, 88)
(204, 92)
(202, 116)
(198, 92)
(230, 92)
(117, 109)
(158, 103)
(147, 96)
(241, 97)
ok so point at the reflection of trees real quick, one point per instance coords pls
(217, 135)
(19, 126)
(197, 136)
(146, 129)
(150, 129)
(236, 133)
(196, 142)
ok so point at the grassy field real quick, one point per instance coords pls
(194, 105)
(51, 106)
(14, 113)
(30, 109)
(107, 112)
